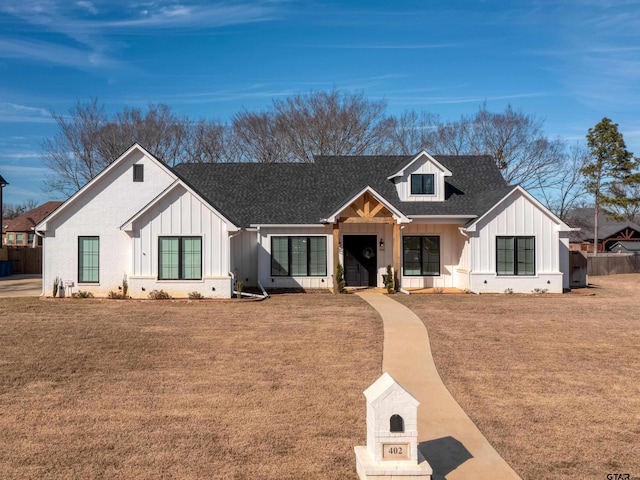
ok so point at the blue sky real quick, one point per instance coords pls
(569, 63)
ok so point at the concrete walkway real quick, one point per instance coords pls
(447, 437)
(21, 286)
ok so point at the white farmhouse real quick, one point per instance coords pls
(439, 221)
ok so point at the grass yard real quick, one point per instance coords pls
(552, 381)
(238, 390)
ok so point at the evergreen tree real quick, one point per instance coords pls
(610, 164)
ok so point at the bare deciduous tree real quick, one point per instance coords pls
(88, 141)
(206, 142)
(411, 132)
(13, 210)
(565, 190)
(517, 142)
(257, 138)
(331, 123)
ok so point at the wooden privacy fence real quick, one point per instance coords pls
(25, 260)
(612, 264)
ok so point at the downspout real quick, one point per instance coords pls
(231, 274)
(43, 262)
(464, 232)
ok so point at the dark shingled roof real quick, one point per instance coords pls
(306, 193)
(28, 220)
(583, 218)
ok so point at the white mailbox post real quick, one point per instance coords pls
(392, 434)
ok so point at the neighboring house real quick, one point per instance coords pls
(610, 231)
(439, 221)
(631, 248)
(20, 231)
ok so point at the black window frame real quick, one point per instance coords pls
(138, 172)
(516, 261)
(422, 273)
(181, 273)
(421, 185)
(81, 270)
(278, 270)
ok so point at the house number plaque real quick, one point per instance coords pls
(395, 451)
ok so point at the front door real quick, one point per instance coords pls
(360, 260)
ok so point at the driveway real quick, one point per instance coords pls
(21, 286)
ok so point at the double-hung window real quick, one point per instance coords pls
(421, 256)
(180, 258)
(422, 184)
(88, 259)
(298, 256)
(515, 256)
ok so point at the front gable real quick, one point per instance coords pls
(180, 195)
(422, 179)
(120, 190)
(367, 206)
(517, 210)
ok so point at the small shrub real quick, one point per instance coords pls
(508, 291)
(195, 296)
(539, 291)
(388, 281)
(56, 284)
(340, 279)
(239, 287)
(82, 294)
(438, 290)
(125, 287)
(159, 295)
(116, 295)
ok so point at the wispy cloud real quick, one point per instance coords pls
(56, 54)
(12, 113)
(95, 26)
(450, 100)
(88, 6)
(399, 46)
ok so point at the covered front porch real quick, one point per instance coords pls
(369, 235)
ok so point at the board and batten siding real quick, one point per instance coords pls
(451, 249)
(517, 217)
(403, 183)
(181, 213)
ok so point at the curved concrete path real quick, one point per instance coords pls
(447, 437)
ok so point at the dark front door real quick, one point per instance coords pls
(360, 260)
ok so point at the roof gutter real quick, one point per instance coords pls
(467, 217)
(287, 225)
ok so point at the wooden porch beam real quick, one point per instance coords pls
(336, 242)
(369, 220)
(377, 209)
(397, 239)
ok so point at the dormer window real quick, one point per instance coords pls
(138, 173)
(422, 184)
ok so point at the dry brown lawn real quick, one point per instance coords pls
(240, 390)
(553, 381)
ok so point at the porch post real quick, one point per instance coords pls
(397, 240)
(336, 241)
